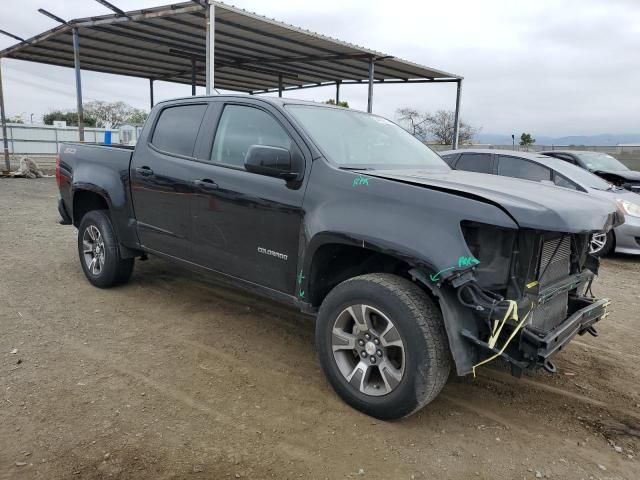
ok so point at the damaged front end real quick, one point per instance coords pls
(524, 295)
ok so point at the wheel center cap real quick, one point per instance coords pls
(370, 348)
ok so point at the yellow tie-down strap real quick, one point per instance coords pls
(510, 314)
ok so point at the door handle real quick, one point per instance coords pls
(144, 171)
(206, 184)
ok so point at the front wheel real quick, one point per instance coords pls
(100, 253)
(382, 345)
(601, 244)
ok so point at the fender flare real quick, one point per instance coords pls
(456, 317)
(78, 187)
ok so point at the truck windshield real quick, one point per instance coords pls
(360, 140)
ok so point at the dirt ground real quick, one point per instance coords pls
(174, 376)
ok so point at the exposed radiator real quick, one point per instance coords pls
(555, 264)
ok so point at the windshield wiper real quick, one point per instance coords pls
(356, 168)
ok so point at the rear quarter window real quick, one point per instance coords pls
(450, 158)
(177, 129)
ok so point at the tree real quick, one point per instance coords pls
(343, 104)
(16, 119)
(439, 126)
(68, 116)
(108, 114)
(526, 140)
(137, 116)
(413, 122)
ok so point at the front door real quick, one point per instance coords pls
(244, 224)
(161, 186)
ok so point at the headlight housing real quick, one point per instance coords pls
(629, 208)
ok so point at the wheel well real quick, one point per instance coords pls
(335, 263)
(85, 201)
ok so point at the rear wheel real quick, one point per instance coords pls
(601, 244)
(100, 253)
(382, 344)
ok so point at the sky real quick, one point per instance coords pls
(549, 67)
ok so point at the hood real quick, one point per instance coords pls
(617, 194)
(631, 175)
(530, 204)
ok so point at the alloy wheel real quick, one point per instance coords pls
(597, 243)
(368, 350)
(93, 250)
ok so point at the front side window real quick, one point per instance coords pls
(519, 168)
(564, 182)
(239, 128)
(475, 162)
(177, 129)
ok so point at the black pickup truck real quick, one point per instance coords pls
(410, 267)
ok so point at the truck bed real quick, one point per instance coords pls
(102, 170)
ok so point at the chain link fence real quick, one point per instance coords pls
(42, 142)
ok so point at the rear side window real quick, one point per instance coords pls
(475, 162)
(520, 168)
(177, 129)
(241, 127)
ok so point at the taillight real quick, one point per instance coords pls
(58, 176)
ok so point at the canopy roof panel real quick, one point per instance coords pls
(251, 52)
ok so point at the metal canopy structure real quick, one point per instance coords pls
(218, 46)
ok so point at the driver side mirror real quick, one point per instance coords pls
(269, 161)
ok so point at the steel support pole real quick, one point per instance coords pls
(280, 85)
(3, 120)
(211, 34)
(456, 121)
(76, 62)
(193, 77)
(337, 92)
(370, 95)
(151, 92)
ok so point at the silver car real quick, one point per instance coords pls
(540, 168)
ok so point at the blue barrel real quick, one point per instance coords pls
(107, 137)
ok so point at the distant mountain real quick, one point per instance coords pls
(604, 139)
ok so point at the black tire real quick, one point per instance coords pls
(421, 328)
(115, 270)
(608, 247)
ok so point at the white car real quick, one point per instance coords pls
(541, 168)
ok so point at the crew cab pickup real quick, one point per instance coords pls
(409, 267)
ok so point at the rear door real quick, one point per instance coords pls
(161, 183)
(244, 224)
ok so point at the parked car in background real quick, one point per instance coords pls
(601, 164)
(540, 168)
